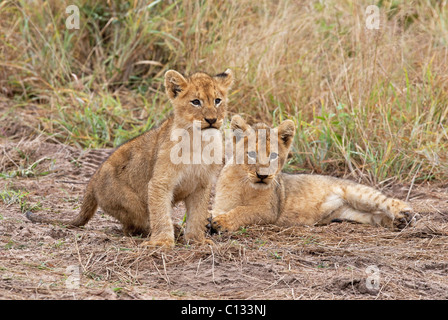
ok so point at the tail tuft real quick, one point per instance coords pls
(38, 219)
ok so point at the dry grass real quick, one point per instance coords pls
(371, 104)
(260, 263)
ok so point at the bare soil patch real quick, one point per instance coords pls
(259, 262)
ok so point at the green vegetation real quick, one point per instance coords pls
(30, 171)
(11, 196)
(372, 104)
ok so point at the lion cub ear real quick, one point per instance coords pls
(174, 83)
(238, 123)
(225, 78)
(239, 127)
(286, 132)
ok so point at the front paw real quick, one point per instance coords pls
(197, 239)
(163, 243)
(222, 223)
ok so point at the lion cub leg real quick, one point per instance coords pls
(368, 201)
(243, 216)
(128, 209)
(197, 214)
(347, 212)
(160, 195)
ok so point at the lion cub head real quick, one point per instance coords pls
(199, 99)
(265, 150)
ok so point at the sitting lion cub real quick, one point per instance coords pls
(139, 183)
(259, 193)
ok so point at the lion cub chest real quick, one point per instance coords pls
(193, 177)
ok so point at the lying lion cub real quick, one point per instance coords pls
(245, 195)
(139, 183)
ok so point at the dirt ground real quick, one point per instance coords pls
(338, 261)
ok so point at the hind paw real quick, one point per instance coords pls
(406, 217)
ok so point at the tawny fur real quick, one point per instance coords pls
(139, 184)
(284, 199)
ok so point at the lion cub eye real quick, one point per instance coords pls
(217, 101)
(196, 102)
(273, 156)
(252, 154)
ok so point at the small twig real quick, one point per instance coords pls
(164, 268)
(213, 265)
(199, 263)
(412, 184)
(73, 182)
(155, 265)
(79, 254)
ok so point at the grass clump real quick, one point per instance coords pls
(19, 197)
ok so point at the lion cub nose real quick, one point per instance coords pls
(210, 121)
(262, 176)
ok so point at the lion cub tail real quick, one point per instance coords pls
(88, 209)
